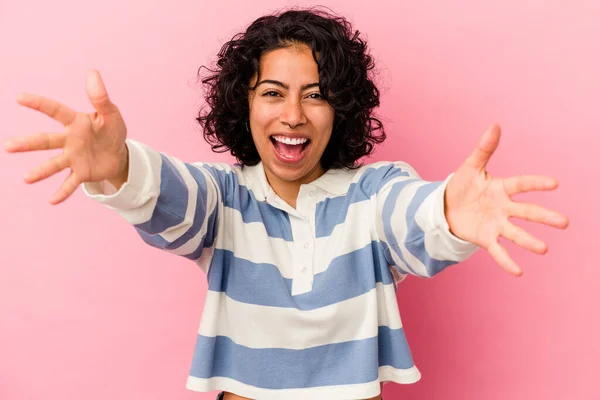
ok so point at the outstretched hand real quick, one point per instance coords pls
(478, 206)
(93, 144)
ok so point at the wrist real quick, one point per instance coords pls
(123, 173)
(448, 215)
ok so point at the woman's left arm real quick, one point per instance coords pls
(427, 226)
(412, 227)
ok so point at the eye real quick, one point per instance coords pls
(315, 96)
(271, 93)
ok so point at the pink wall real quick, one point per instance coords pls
(88, 311)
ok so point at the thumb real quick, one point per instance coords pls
(488, 143)
(97, 94)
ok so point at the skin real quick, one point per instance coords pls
(287, 101)
(231, 396)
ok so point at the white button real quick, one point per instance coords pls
(311, 193)
(303, 270)
(306, 245)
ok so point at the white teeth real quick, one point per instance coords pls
(287, 140)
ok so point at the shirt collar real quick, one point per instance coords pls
(333, 181)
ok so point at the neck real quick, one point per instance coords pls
(288, 190)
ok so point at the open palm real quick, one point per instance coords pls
(93, 144)
(478, 206)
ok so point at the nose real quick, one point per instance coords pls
(293, 114)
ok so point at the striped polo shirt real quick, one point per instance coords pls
(301, 302)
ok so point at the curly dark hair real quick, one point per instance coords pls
(344, 67)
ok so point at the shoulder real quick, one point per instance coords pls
(378, 174)
(366, 180)
(237, 178)
(223, 174)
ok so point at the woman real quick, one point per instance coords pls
(302, 245)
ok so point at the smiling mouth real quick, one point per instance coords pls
(292, 151)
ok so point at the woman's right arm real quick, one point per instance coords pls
(173, 205)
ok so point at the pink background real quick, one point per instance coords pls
(88, 311)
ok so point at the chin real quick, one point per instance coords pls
(289, 173)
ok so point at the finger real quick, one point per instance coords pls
(47, 169)
(523, 238)
(39, 141)
(537, 213)
(67, 188)
(98, 95)
(488, 143)
(51, 108)
(501, 256)
(528, 183)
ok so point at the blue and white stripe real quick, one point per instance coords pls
(301, 302)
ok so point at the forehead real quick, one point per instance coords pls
(289, 64)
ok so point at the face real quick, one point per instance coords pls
(290, 121)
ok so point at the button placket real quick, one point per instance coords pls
(303, 231)
(305, 255)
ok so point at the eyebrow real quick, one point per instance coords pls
(283, 85)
